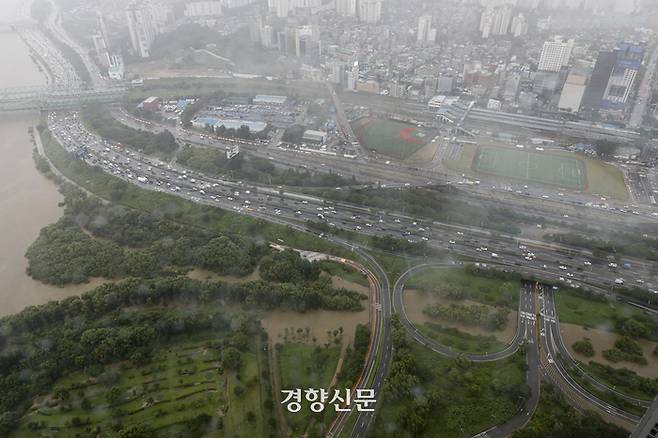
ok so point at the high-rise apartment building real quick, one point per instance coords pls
(346, 8)
(102, 42)
(519, 26)
(370, 11)
(424, 32)
(495, 21)
(555, 55)
(281, 8)
(203, 9)
(142, 27)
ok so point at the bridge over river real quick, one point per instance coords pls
(56, 98)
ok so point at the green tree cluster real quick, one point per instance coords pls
(98, 117)
(288, 267)
(354, 357)
(555, 418)
(214, 162)
(474, 315)
(128, 321)
(624, 379)
(626, 350)
(584, 347)
(97, 240)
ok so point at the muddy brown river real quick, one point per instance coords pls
(28, 201)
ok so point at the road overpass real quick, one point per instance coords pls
(478, 118)
(54, 98)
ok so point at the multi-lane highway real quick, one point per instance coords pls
(555, 262)
(571, 265)
(379, 357)
(551, 352)
(563, 209)
(555, 205)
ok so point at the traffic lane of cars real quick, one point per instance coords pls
(120, 163)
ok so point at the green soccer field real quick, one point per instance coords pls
(536, 167)
(389, 137)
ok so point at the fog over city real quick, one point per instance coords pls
(329, 218)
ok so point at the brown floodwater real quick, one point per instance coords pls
(28, 201)
(203, 274)
(604, 340)
(416, 301)
(282, 324)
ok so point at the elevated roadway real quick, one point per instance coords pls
(54, 98)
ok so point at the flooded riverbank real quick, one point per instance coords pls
(28, 200)
(317, 324)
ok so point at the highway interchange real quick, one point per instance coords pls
(294, 209)
(555, 263)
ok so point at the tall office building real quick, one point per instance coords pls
(353, 76)
(598, 82)
(370, 11)
(336, 72)
(628, 61)
(424, 29)
(346, 8)
(555, 55)
(116, 69)
(142, 27)
(613, 77)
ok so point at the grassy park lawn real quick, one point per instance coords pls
(459, 340)
(459, 282)
(391, 138)
(306, 366)
(183, 381)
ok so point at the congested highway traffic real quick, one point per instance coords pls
(60, 72)
(561, 207)
(551, 261)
